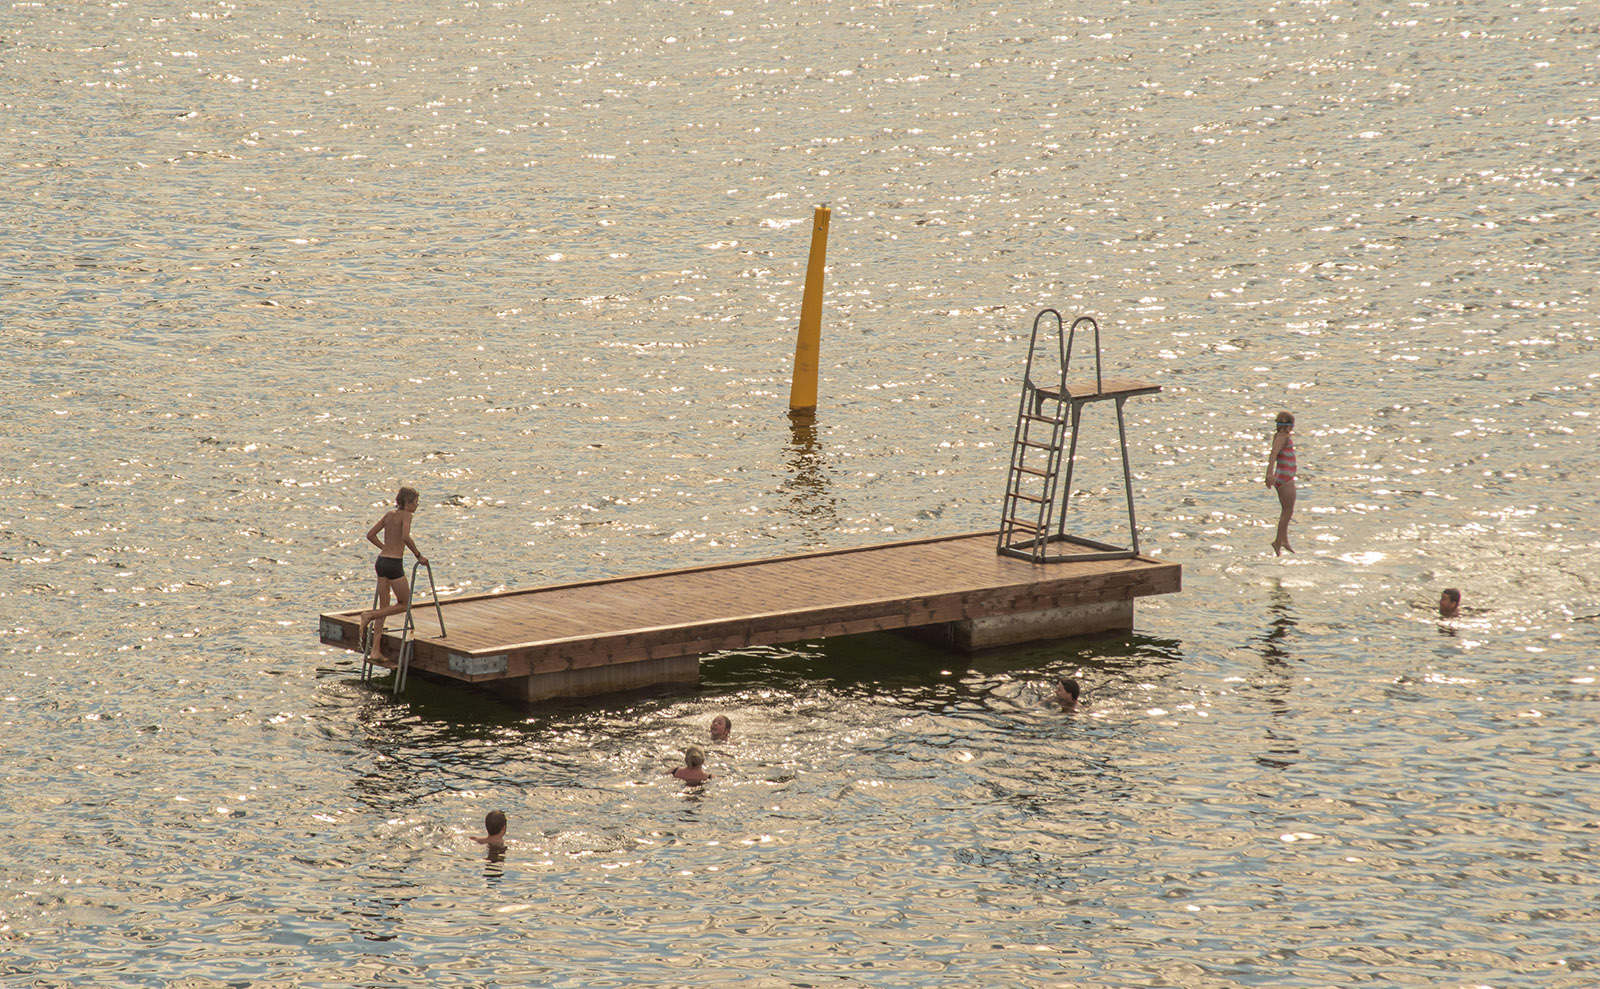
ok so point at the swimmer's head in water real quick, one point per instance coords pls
(721, 727)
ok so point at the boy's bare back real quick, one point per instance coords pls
(396, 525)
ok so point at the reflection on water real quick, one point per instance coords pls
(1277, 681)
(267, 262)
(810, 500)
(494, 859)
(1277, 637)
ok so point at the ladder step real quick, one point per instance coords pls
(1030, 526)
(1050, 419)
(1038, 446)
(1019, 494)
(1030, 470)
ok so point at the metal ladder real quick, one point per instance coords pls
(407, 632)
(1031, 480)
(1046, 412)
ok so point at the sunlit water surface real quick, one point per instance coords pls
(264, 263)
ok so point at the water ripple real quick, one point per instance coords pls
(267, 264)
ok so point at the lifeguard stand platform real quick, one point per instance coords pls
(1049, 414)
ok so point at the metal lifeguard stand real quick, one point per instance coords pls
(1030, 528)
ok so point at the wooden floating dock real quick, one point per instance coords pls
(623, 633)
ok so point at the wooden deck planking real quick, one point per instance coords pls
(763, 602)
(1110, 388)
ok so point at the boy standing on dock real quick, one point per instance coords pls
(390, 566)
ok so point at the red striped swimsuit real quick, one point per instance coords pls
(1286, 466)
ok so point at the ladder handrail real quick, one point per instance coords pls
(1030, 408)
(407, 630)
(1072, 333)
(433, 591)
(408, 633)
(1066, 338)
(1063, 353)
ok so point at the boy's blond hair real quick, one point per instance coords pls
(405, 497)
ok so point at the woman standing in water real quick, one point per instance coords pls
(1280, 475)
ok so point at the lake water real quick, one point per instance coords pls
(265, 263)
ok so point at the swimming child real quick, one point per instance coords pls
(1280, 475)
(1450, 603)
(494, 823)
(390, 566)
(694, 758)
(721, 728)
(1067, 692)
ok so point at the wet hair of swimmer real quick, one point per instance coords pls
(1070, 685)
(494, 822)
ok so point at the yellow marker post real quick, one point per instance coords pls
(807, 347)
